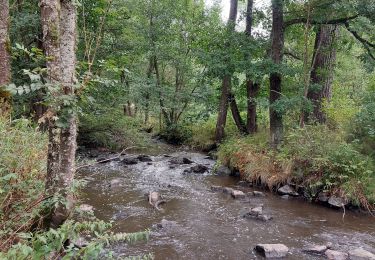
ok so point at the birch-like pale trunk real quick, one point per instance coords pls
(5, 72)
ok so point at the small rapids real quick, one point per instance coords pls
(197, 223)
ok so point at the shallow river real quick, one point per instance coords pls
(196, 223)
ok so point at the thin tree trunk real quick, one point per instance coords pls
(226, 82)
(252, 88)
(59, 32)
(50, 20)
(5, 71)
(322, 71)
(276, 120)
(236, 114)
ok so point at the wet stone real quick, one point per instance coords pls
(144, 158)
(287, 190)
(199, 168)
(245, 184)
(361, 254)
(180, 160)
(315, 250)
(336, 255)
(115, 183)
(285, 197)
(237, 194)
(272, 250)
(258, 194)
(129, 161)
(86, 208)
(337, 202)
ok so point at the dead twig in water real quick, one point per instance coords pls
(106, 160)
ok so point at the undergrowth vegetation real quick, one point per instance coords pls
(23, 160)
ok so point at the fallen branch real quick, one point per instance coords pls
(106, 160)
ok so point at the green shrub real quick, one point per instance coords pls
(111, 129)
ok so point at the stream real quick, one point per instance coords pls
(197, 223)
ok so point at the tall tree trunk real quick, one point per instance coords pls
(322, 71)
(5, 72)
(276, 120)
(59, 35)
(252, 88)
(236, 114)
(226, 82)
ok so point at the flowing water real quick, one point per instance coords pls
(196, 223)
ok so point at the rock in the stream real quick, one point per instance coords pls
(285, 197)
(237, 194)
(287, 190)
(180, 160)
(199, 168)
(315, 250)
(144, 158)
(228, 190)
(245, 184)
(272, 250)
(361, 254)
(130, 161)
(337, 202)
(258, 194)
(257, 213)
(217, 188)
(336, 255)
(223, 171)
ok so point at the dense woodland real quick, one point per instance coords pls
(282, 91)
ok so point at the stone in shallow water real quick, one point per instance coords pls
(287, 190)
(272, 250)
(323, 196)
(315, 249)
(144, 158)
(258, 194)
(237, 194)
(336, 255)
(86, 208)
(180, 160)
(361, 254)
(129, 161)
(337, 201)
(199, 168)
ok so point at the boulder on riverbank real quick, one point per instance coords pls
(287, 190)
(272, 250)
(337, 202)
(361, 254)
(336, 255)
(223, 171)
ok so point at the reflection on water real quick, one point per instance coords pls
(199, 224)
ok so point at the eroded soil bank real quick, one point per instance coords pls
(197, 223)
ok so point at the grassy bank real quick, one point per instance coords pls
(315, 158)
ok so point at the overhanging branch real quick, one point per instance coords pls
(341, 20)
(366, 44)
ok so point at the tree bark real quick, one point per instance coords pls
(5, 70)
(59, 36)
(322, 71)
(276, 120)
(226, 82)
(236, 114)
(252, 88)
